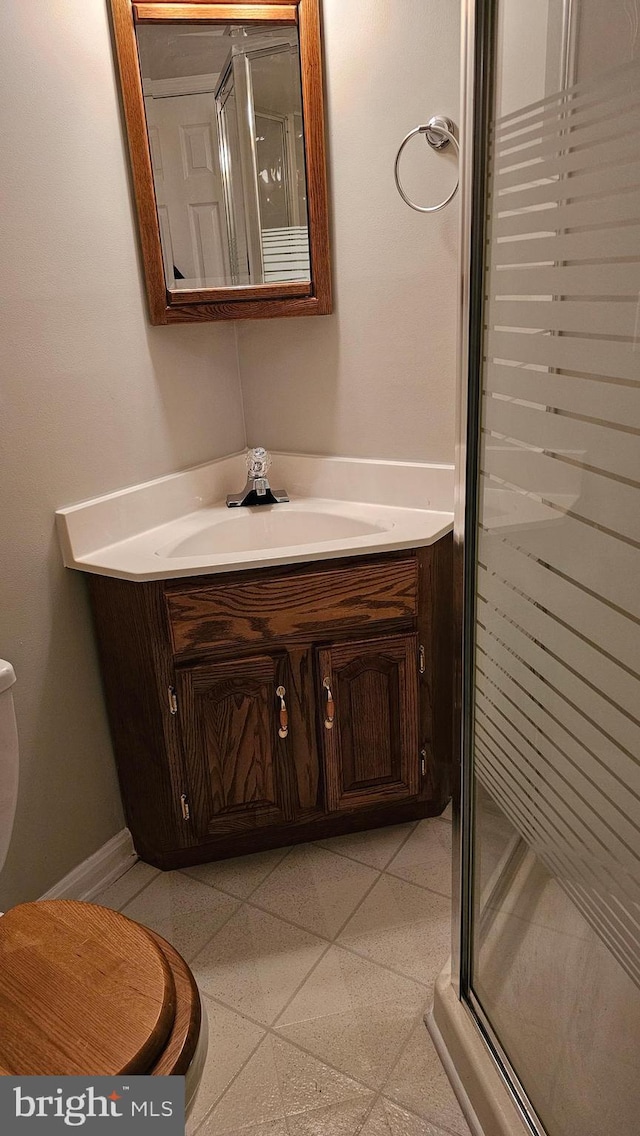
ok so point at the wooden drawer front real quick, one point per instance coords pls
(301, 607)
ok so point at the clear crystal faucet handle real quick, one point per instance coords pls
(258, 461)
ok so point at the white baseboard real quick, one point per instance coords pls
(98, 871)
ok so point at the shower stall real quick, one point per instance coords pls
(261, 153)
(539, 1023)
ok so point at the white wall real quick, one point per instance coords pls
(92, 398)
(377, 378)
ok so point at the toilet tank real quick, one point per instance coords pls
(8, 757)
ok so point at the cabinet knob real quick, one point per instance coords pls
(283, 714)
(330, 708)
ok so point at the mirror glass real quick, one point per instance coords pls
(224, 117)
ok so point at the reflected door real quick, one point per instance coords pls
(184, 154)
(551, 961)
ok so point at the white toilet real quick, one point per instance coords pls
(64, 965)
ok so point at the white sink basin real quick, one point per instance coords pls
(269, 526)
(179, 526)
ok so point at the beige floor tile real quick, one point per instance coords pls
(256, 962)
(419, 1083)
(252, 1100)
(182, 910)
(307, 1083)
(448, 812)
(375, 847)
(231, 1042)
(425, 859)
(127, 886)
(354, 1015)
(388, 1119)
(402, 926)
(344, 1119)
(315, 888)
(278, 1082)
(271, 1128)
(239, 876)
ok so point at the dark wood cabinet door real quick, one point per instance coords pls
(369, 721)
(235, 756)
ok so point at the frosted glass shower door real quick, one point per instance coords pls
(552, 938)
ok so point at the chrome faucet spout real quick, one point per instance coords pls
(257, 490)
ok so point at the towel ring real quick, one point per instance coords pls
(438, 132)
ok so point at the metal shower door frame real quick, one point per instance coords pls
(479, 19)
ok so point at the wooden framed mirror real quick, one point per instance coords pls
(224, 113)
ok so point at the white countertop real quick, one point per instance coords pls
(179, 525)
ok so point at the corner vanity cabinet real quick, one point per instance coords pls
(262, 708)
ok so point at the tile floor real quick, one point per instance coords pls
(316, 964)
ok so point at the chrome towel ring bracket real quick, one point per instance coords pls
(438, 132)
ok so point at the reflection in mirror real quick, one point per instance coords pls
(224, 117)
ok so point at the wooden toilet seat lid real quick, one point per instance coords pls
(83, 990)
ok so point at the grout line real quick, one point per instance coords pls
(365, 1118)
(321, 1061)
(228, 919)
(354, 859)
(241, 898)
(446, 1131)
(402, 844)
(438, 1128)
(356, 908)
(286, 852)
(300, 985)
(330, 943)
(333, 941)
(397, 1061)
(422, 887)
(233, 1079)
(96, 898)
(415, 1020)
(369, 890)
(290, 922)
(383, 966)
(265, 1027)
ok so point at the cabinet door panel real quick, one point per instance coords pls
(371, 751)
(235, 758)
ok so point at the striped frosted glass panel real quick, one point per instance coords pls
(285, 254)
(557, 706)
